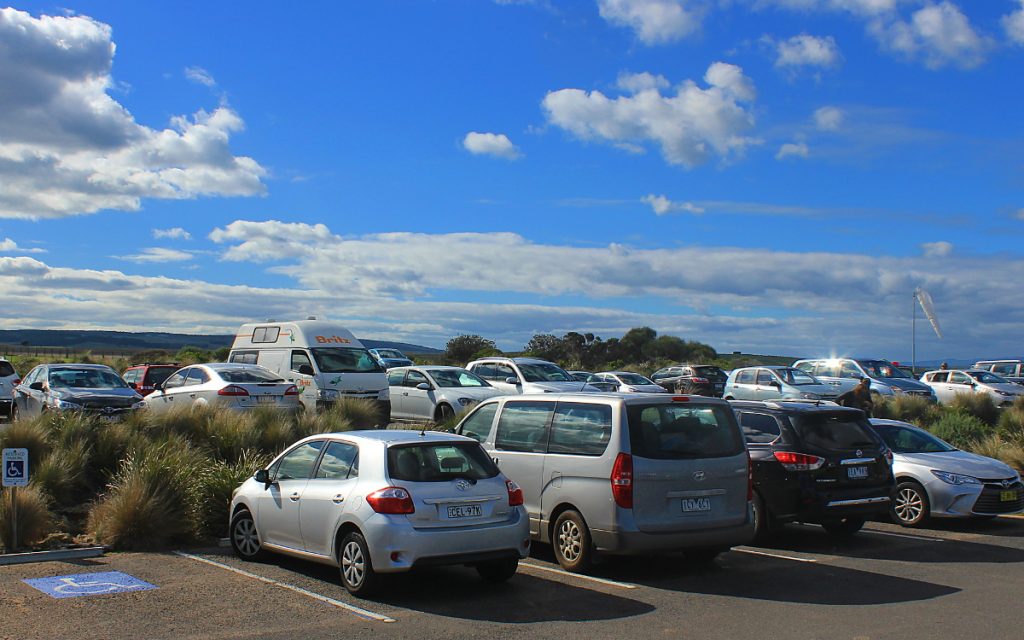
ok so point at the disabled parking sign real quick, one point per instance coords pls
(15, 467)
(89, 584)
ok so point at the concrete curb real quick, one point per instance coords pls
(51, 556)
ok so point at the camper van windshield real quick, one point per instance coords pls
(345, 360)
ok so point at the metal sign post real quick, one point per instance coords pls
(15, 474)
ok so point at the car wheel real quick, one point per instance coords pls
(572, 545)
(245, 540)
(498, 570)
(443, 414)
(843, 526)
(763, 523)
(910, 508)
(356, 569)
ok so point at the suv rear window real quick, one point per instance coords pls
(711, 373)
(439, 462)
(833, 431)
(6, 369)
(676, 431)
(157, 375)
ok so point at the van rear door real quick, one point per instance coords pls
(689, 466)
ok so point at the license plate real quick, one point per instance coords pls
(857, 472)
(264, 399)
(1007, 496)
(691, 505)
(465, 511)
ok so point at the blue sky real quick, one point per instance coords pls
(770, 176)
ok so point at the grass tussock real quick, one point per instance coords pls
(961, 429)
(27, 434)
(359, 412)
(979, 405)
(35, 520)
(912, 409)
(1000, 447)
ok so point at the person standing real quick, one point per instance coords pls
(859, 397)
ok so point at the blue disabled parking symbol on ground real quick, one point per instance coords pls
(89, 584)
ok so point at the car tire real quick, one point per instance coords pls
(355, 566)
(910, 506)
(764, 524)
(444, 413)
(572, 543)
(843, 526)
(498, 570)
(245, 540)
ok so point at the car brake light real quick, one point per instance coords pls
(680, 398)
(233, 390)
(798, 461)
(16, 381)
(700, 380)
(291, 391)
(515, 494)
(750, 478)
(622, 480)
(394, 500)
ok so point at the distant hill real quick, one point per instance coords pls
(88, 340)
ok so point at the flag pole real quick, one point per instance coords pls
(913, 334)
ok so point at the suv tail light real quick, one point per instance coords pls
(233, 390)
(393, 500)
(798, 461)
(515, 494)
(622, 480)
(699, 380)
(291, 391)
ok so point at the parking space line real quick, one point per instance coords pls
(1015, 516)
(902, 535)
(362, 613)
(579, 576)
(772, 555)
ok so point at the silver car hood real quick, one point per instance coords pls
(562, 387)
(905, 383)
(473, 393)
(963, 462)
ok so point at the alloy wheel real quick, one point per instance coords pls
(909, 505)
(570, 541)
(245, 537)
(353, 564)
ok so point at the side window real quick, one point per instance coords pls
(483, 370)
(522, 426)
(32, 376)
(939, 376)
(959, 378)
(297, 464)
(806, 367)
(582, 429)
(338, 462)
(502, 371)
(176, 379)
(1005, 369)
(244, 357)
(478, 424)
(196, 376)
(850, 370)
(827, 370)
(265, 334)
(759, 428)
(414, 378)
(300, 358)
(745, 377)
(131, 376)
(764, 377)
(395, 378)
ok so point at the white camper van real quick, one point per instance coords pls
(323, 359)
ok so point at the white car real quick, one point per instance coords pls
(627, 382)
(373, 502)
(948, 383)
(222, 384)
(434, 393)
(514, 376)
(8, 380)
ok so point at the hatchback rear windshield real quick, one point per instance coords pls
(711, 373)
(833, 431)
(439, 462)
(676, 431)
(6, 369)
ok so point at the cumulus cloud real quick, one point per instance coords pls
(200, 75)
(654, 21)
(1013, 24)
(690, 126)
(856, 7)
(10, 246)
(67, 147)
(792, 150)
(157, 254)
(662, 205)
(807, 51)
(828, 118)
(174, 233)
(939, 249)
(637, 82)
(939, 34)
(490, 144)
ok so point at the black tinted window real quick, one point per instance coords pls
(833, 431)
(523, 426)
(244, 357)
(759, 428)
(582, 429)
(672, 431)
(6, 369)
(437, 462)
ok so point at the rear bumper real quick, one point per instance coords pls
(865, 502)
(632, 541)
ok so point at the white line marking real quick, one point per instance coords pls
(1015, 516)
(902, 535)
(773, 555)
(362, 613)
(610, 583)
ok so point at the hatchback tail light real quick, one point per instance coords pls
(799, 461)
(515, 494)
(16, 381)
(233, 390)
(393, 500)
(622, 480)
(291, 391)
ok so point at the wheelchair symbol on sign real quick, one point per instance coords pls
(14, 470)
(91, 587)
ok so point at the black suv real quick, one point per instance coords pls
(815, 462)
(692, 379)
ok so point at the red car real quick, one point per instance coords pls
(144, 377)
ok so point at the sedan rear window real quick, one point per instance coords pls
(833, 431)
(248, 375)
(676, 431)
(439, 462)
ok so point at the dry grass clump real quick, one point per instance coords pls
(28, 434)
(979, 405)
(960, 429)
(35, 521)
(912, 409)
(360, 413)
(1002, 448)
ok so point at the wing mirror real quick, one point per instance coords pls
(263, 476)
(512, 380)
(306, 370)
(36, 386)
(423, 386)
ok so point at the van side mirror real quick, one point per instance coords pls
(512, 380)
(306, 370)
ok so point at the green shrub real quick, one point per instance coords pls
(979, 405)
(358, 412)
(35, 521)
(217, 485)
(960, 429)
(1011, 422)
(912, 409)
(64, 474)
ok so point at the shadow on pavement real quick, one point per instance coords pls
(1000, 527)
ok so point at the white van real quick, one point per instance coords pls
(323, 359)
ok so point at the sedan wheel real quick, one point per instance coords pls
(244, 539)
(910, 508)
(572, 542)
(357, 574)
(444, 414)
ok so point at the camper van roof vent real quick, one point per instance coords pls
(271, 320)
(310, 317)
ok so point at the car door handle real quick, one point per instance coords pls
(191, 395)
(294, 497)
(496, 460)
(405, 393)
(338, 499)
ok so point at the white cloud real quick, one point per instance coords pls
(939, 34)
(689, 126)
(174, 233)
(807, 51)
(10, 246)
(1019, 214)
(662, 205)
(637, 82)
(67, 147)
(792, 150)
(157, 254)
(654, 21)
(490, 144)
(939, 249)
(1013, 24)
(200, 75)
(829, 118)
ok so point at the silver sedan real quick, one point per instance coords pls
(626, 382)
(435, 393)
(228, 385)
(935, 479)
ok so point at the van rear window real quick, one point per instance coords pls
(677, 431)
(833, 431)
(440, 462)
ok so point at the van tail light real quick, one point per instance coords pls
(393, 500)
(233, 390)
(291, 391)
(750, 479)
(622, 480)
(515, 494)
(799, 461)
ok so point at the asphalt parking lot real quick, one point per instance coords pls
(952, 580)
